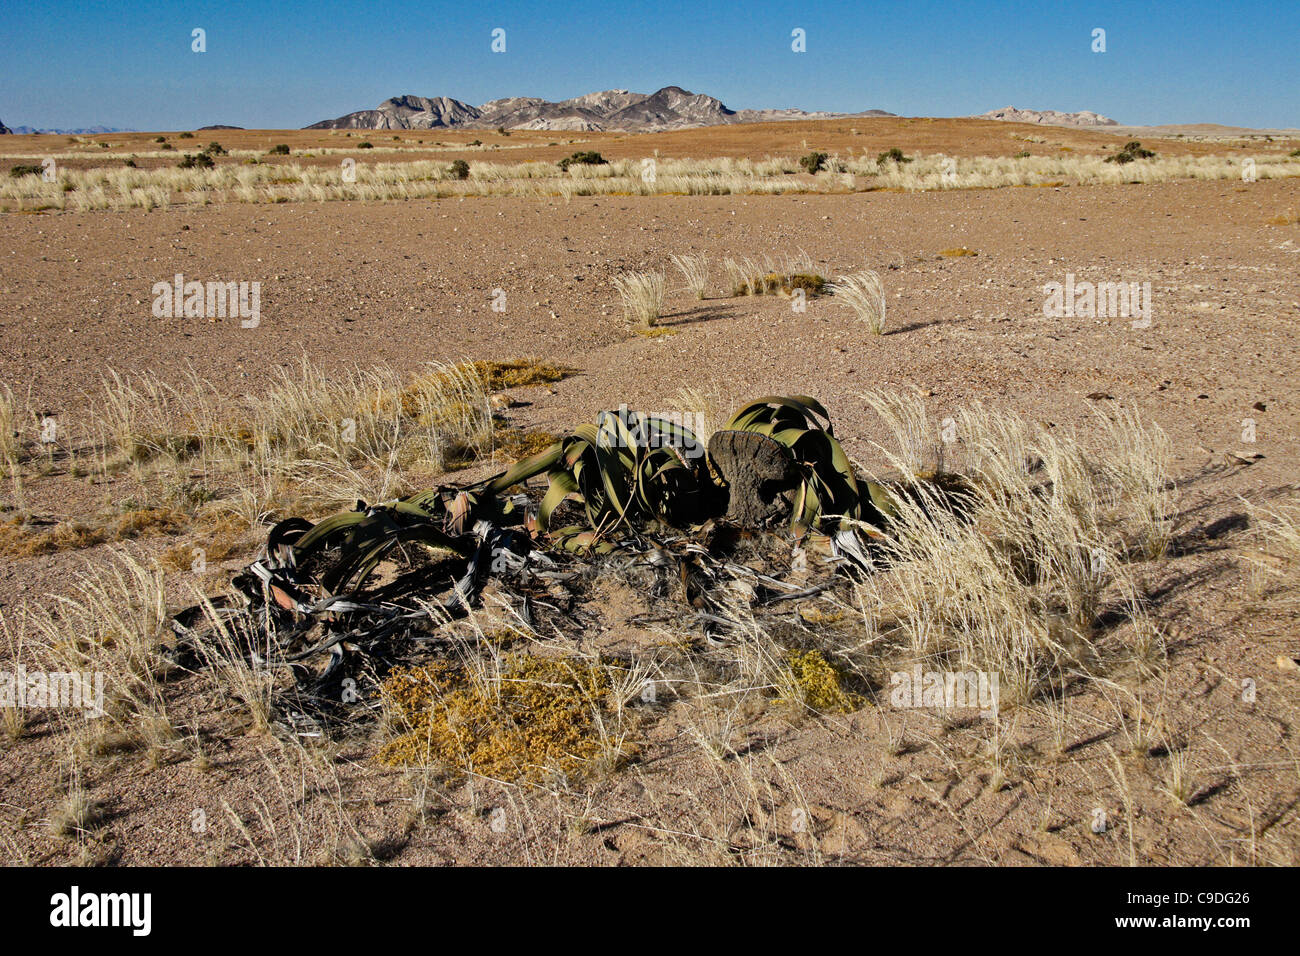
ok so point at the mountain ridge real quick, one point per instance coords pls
(78, 131)
(1084, 119)
(670, 107)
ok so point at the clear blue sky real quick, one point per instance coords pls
(287, 64)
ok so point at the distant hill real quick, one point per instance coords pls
(86, 131)
(1083, 120)
(669, 108)
(4, 129)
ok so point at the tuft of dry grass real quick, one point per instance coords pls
(11, 445)
(958, 253)
(642, 296)
(782, 284)
(12, 719)
(75, 814)
(704, 411)
(111, 623)
(235, 668)
(695, 272)
(1007, 569)
(1136, 468)
(1178, 777)
(864, 293)
(916, 447)
(1277, 530)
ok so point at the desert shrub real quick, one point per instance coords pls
(1132, 150)
(197, 161)
(1294, 152)
(814, 162)
(892, 155)
(19, 171)
(460, 169)
(365, 144)
(129, 163)
(160, 139)
(586, 158)
(282, 149)
(185, 136)
(167, 146)
(215, 149)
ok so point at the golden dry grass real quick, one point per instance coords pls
(1008, 568)
(78, 187)
(642, 297)
(525, 717)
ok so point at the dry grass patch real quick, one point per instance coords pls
(76, 814)
(218, 536)
(11, 445)
(519, 717)
(775, 283)
(1278, 532)
(695, 272)
(21, 538)
(120, 187)
(111, 623)
(513, 445)
(864, 293)
(958, 253)
(642, 297)
(1010, 568)
(514, 373)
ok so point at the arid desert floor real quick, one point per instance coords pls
(1186, 747)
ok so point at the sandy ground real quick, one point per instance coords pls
(404, 284)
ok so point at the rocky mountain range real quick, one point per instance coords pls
(669, 108)
(1082, 119)
(87, 131)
